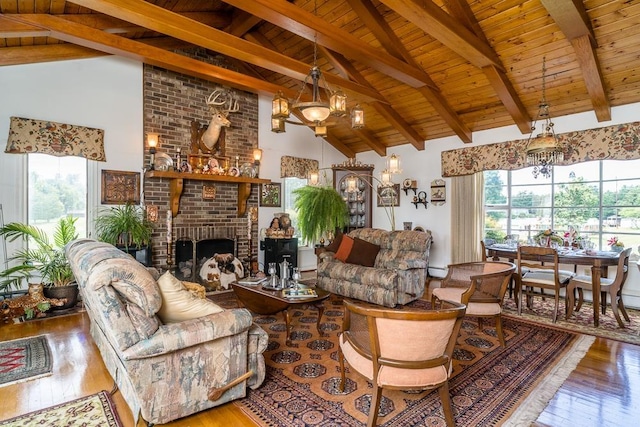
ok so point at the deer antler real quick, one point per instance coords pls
(213, 102)
(213, 98)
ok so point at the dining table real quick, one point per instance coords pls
(599, 261)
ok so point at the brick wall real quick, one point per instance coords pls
(171, 102)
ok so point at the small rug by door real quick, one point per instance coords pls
(488, 385)
(24, 359)
(96, 410)
(581, 321)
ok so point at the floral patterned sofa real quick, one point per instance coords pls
(397, 277)
(164, 371)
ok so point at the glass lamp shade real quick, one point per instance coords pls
(393, 164)
(152, 141)
(314, 178)
(279, 106)
(257, 155)
(277, 125)
(385, 178)
(544, 149)
(338, 103)
(320, 130)
(352, 184)
(357, 117)
(314, 111)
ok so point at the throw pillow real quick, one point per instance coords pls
(178, 304)
(335, 243)
(345, 248)
(363, 253)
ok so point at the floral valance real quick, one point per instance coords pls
(57, 139)
(618, 142)
(297, 167)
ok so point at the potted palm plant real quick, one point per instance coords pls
(320, 210)
(127, 228)
(42, 257)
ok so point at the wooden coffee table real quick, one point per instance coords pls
(267, 301)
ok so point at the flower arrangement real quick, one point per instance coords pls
(615, 242)
(549, 235)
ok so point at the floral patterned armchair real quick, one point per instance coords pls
(164, 371)
(398, 275)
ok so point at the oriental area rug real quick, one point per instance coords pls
(490, 385)
(580, 321)
(96, 410)
(24, 359)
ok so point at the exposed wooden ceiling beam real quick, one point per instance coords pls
(298, 21)
(572, 18)
(45, 53)
(385, 110)
(429, 17)
(498, 79)
(166, 22)
(242, 23)
(82, 35)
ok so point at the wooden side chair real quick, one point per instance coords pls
(481, 286)
(400, 349)
(534, 274)
(612, 287)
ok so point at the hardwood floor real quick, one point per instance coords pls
(604, 390)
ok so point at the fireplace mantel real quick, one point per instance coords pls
(177, 180)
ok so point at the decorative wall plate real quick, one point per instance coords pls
(234, 171)
(163, 162)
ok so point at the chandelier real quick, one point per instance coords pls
(543, 150)
(319, 109)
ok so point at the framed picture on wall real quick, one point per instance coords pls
(120, 187)
(388, 197)
(271, 195)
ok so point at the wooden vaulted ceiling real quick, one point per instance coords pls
(421, 69)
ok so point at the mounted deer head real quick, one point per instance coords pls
(220, 104)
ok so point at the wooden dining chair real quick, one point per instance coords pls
(480, 286)
(400, 349)
(538, 268)
(612, 287)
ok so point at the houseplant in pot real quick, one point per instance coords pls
(320, 210)
(42, 257)
(127, 228)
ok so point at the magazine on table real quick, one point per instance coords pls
(252, 280)
(299, 293)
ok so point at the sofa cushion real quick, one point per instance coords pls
(179, 304)
(345, 249)
(144, 325)
(335, 243)
(363, 253)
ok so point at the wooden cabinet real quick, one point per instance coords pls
(359, 199)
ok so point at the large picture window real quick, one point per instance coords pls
(600, 199)
(57, 187)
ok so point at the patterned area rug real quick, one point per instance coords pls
(489, 382)
(96, 410)
(581, 321)
(24, 359)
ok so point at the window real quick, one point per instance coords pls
(600, 199)
(57, 187)
(291, 184)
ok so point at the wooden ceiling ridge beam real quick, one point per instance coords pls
(20, 55)
(573, 20)
(431, 19)
(82, 35)
(387, 38)
(498, 79)
(385, 110)
(173, 24)
(306, 25)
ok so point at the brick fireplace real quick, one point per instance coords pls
(171, 102)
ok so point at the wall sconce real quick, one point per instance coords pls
(393, 164)
(152, 143)
(257, 157)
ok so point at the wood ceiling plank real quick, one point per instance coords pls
(175, 25)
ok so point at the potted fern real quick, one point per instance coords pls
(320, 210)
(43, 257)
(127, 228)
